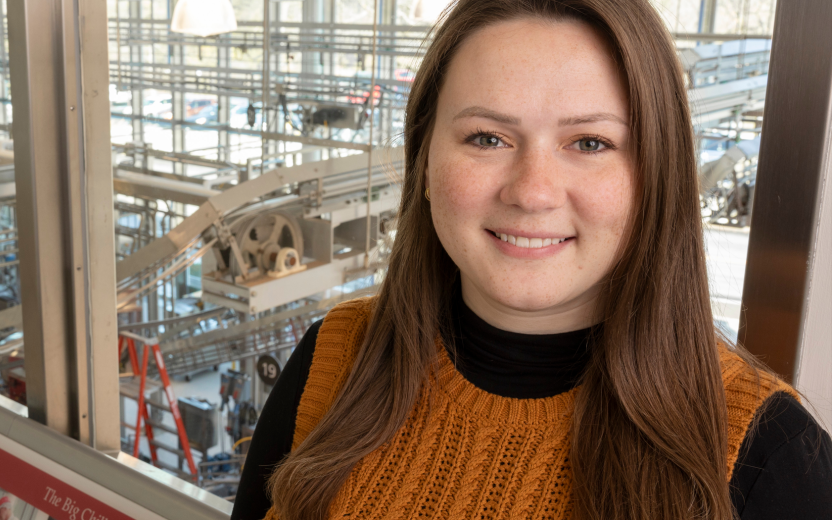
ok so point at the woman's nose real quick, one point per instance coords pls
(535, 183)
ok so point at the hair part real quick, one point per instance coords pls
(649, 436)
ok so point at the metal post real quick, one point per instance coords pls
(707, 16)
(788, 277)
(266, 83)
(136, 72)
(223, 106)
(313, 13)
(60, 84)
(3, 58)
(178, 113)
(118, 48)
(370, 137)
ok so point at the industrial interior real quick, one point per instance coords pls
(255, 175)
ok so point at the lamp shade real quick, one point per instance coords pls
(203, 17)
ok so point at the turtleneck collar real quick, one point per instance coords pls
(510, 364)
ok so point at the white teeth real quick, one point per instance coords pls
(529, 243)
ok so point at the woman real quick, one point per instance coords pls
(543, 344)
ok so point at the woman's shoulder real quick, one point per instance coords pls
(336, 346)
(359, 305)
(747, 390)
(779, 457)
(784, 465)
(342, 333)
(349, 317)
(747, 385)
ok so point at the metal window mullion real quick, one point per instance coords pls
(76, 240)
(787, 312)
(63, 179)
(39, 168)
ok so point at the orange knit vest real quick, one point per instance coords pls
(466, 453)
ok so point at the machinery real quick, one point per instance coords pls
(201, 418)
(727, 185)
(270, 243)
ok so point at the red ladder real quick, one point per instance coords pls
(152, 344)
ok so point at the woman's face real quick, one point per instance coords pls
(529, 172)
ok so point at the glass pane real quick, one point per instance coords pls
(189, 114)
(12, 374)
(728, 137)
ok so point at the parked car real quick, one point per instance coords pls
(194, 106)
(209, 114)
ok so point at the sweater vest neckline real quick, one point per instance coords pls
(484, 406)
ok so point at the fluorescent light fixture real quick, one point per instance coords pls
(203, 17)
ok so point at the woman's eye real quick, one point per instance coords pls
(487, 141)
(590, 145)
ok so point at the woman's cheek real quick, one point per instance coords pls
(460, 187)
(605, 204)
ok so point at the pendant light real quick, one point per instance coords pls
(203, 17)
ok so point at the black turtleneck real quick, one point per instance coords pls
(525, 366)
(784, 470)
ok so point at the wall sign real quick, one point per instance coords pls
(59, 500)
(268, 369)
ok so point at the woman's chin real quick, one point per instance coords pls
(532, 302)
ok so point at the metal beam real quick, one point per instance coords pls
(59, 70)
(787, 279)
(712, 37)
(218, 205)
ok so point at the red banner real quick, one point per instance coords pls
(54, 497)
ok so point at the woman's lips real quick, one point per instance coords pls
(528, 247)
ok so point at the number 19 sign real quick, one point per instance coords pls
(268, 369)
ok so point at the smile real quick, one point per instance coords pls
(528, 243)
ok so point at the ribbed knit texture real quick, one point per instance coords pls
(464, 453)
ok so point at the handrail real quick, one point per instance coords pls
(130, 478)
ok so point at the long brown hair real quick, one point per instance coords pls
(649, 435)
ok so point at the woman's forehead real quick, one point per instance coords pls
(534, 69)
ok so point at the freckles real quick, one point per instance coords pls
(606, 203)
(459, 184)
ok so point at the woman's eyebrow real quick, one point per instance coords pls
(476, 111)
(591, 118)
